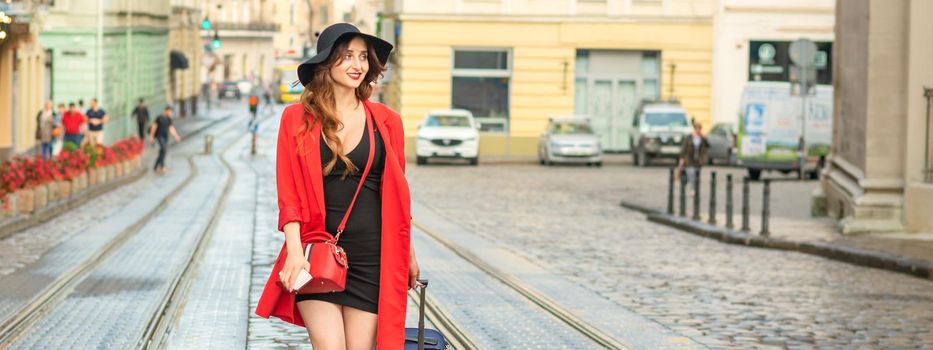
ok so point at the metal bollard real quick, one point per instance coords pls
(712, 198)
(729, 224)
(208, 144)
(696, 195)
(765, 210)
(683, 195)
(745, 227)
(670, 192)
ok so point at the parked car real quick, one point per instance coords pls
(569, 140)
(229, 89)
(452, 134)
(722, 143)
(658, 131)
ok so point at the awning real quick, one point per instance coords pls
(177, 60)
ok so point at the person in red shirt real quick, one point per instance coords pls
(74, 122)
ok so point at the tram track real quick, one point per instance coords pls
(457, 333)
(22, 319)
(160, 327)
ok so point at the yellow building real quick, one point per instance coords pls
(23, 85)
(515, 63)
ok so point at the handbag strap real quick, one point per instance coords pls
(369, 163)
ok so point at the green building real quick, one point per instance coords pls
(116, 51)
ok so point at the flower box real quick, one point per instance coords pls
(27, 200)
(64, 189)
(9, 206)
(111, 172)
(101, 176)
(55, 191)
(42, 196)
(91, 177)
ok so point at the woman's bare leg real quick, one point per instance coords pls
(360, 329)
(325, 324)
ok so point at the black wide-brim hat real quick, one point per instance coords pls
(333, 35)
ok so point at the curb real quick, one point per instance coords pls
(75, 200)
(855, 256)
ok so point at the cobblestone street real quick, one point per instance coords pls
(567, 219)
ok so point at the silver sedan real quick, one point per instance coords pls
(569, 140)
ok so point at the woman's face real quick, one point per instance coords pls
(353, 64)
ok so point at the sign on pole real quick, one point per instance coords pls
(803, 54)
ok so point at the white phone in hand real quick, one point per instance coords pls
(303, 278)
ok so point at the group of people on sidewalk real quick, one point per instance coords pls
(74, 124)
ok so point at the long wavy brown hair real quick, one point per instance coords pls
(319, 102)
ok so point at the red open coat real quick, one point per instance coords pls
(301, 198)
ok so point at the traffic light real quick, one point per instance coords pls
(216, 42)
(206, 24)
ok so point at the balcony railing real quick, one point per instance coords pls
(255, 26)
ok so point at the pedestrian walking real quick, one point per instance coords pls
(96, 118)
(161, 128)
(45, 123)
(267, 95)
(693, 153)
(74, 123)
(345, 155)
(141, 112)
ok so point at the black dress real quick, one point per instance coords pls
(362, 239)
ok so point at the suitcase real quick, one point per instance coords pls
(420, 338)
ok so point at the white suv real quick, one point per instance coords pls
(658, 130)
(448, 134)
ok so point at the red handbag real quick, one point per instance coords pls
(328, 260)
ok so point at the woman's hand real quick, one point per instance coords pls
(294, 262)
(413, 271)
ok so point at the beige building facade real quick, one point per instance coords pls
(878, 178)
(298, 20)
(515, 64)
(751, 40)
(185, 44)
(362, 13)
(246, 29)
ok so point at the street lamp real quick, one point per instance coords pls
(4, 23)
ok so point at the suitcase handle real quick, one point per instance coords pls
(423, 283)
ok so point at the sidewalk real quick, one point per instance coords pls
(790, 225)
(186, 127)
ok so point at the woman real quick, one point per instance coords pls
(45, 123)
(322, 148)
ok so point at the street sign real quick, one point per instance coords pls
(803, 53)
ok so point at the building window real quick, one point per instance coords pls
(324, 19)
(292, 13)
(651, 73)
(481, 84)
